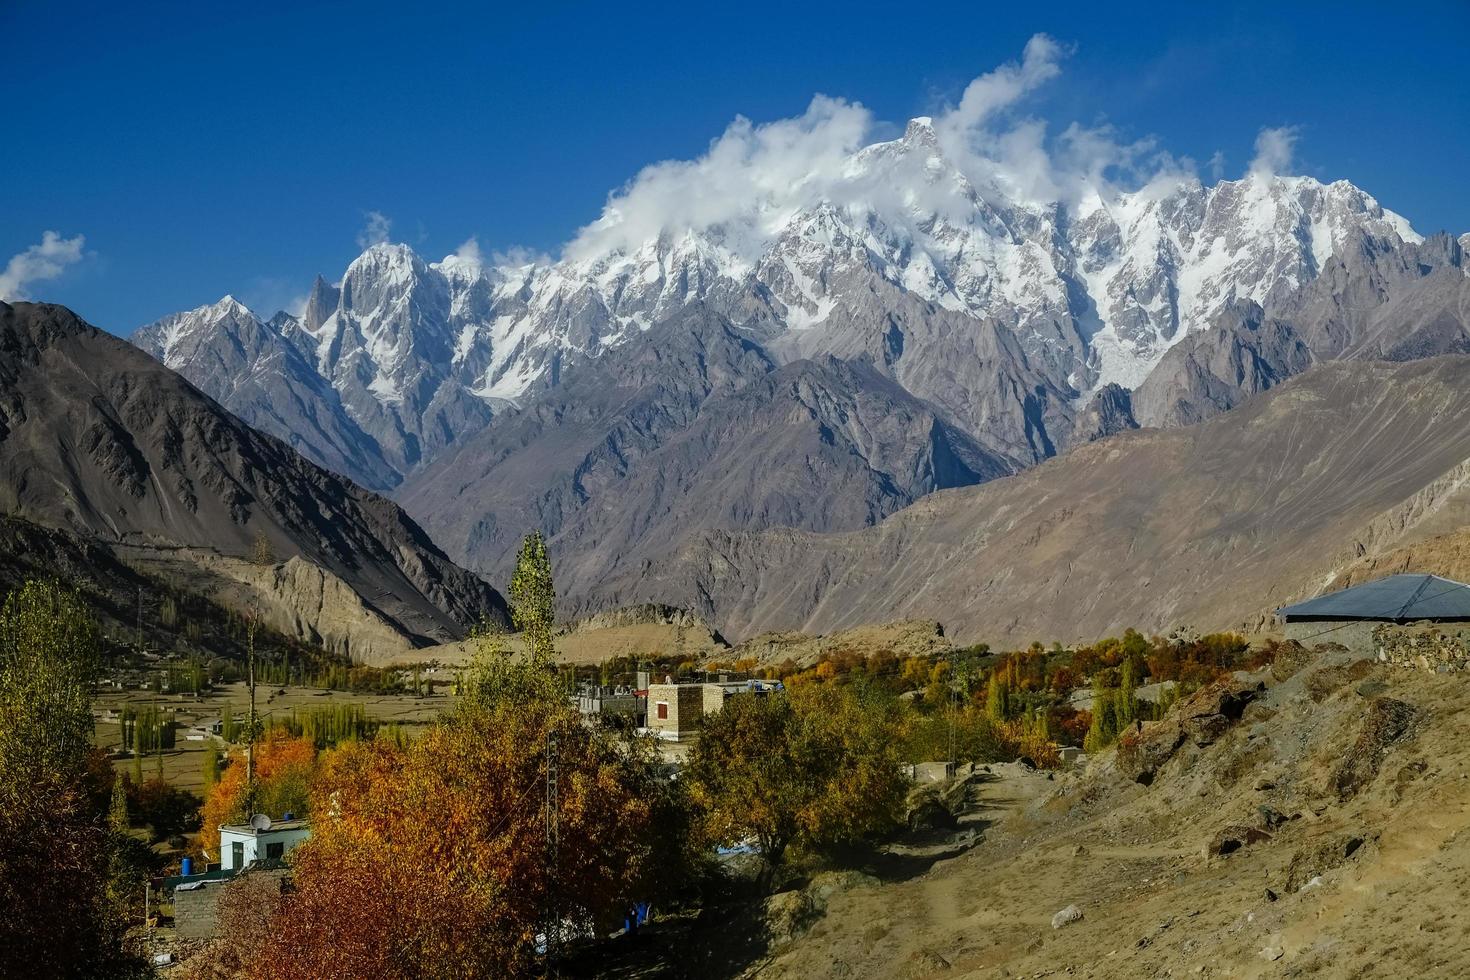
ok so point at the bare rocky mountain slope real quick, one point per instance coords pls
(1368, 303)
(1234, 838)
(1211, 525)
(695, 426)
(98, 440)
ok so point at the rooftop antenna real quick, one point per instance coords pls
(260, 822)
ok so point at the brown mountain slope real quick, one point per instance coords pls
(99, 439)
(1348, 866)
(1208, 526)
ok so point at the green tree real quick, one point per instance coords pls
(998, 699)
(811, 769)
(533, 597)
(1104, 728)
(210, 765)
(55, 858)
(1127, 701)
(117, 812)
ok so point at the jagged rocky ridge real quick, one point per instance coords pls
(98, 440)
(693, 426)
(1001, 312)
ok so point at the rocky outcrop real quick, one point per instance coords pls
(1110, 411)
(1368, 303)
(1428, 646)
(1242, 354)
(1202, 718)
(1386, 721)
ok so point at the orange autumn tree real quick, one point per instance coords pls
(429, 860)
(283, 771)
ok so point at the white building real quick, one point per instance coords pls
(243, 845)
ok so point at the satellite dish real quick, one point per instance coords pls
(260, 822)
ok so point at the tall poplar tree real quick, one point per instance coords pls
(533, 597)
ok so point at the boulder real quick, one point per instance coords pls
(1233, 838)
(1066, 917)
(788, 915)
(1386, 721)
(1142, 754)
(1206, 729)
(1202, 718)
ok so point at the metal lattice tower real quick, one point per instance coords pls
(553, 845)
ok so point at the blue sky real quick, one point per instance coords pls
(205, 149)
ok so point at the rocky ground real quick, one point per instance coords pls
(1309, 819)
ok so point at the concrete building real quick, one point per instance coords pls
(600, 704)
(1352, 616)
(243, 845)
(677, 711)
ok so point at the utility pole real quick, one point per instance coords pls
(140, 619)
(553, 844)
(953, 696)
(250, 682)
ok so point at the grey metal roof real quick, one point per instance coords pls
(1397, 597)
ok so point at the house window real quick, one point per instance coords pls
(663, 710)
(237, 855)
(276, 851)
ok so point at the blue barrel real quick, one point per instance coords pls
(188, 867)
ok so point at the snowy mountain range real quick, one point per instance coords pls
(1004, 313)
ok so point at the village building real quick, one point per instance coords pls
(1365, 618)
(601, 704)
(243, 845)
(677, 711)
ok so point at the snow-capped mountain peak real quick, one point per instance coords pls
(1086, 290)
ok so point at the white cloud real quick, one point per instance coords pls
(46, 260)
(754, 176)
(1274, 149)
(752, 172)
(1217, 165)
(469, 250)
(1002, 88)
(269, 295)
(376, 229)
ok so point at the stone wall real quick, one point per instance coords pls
(196, 910)
(1440, 647)
(1356, 635)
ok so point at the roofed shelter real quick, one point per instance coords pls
(1349, 616)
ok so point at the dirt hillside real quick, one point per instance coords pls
(1310, 819)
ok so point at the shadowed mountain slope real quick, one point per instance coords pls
(695, 427)
(100, 440)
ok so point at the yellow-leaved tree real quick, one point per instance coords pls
(55, 842)
(812, 768)
(430, 858)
